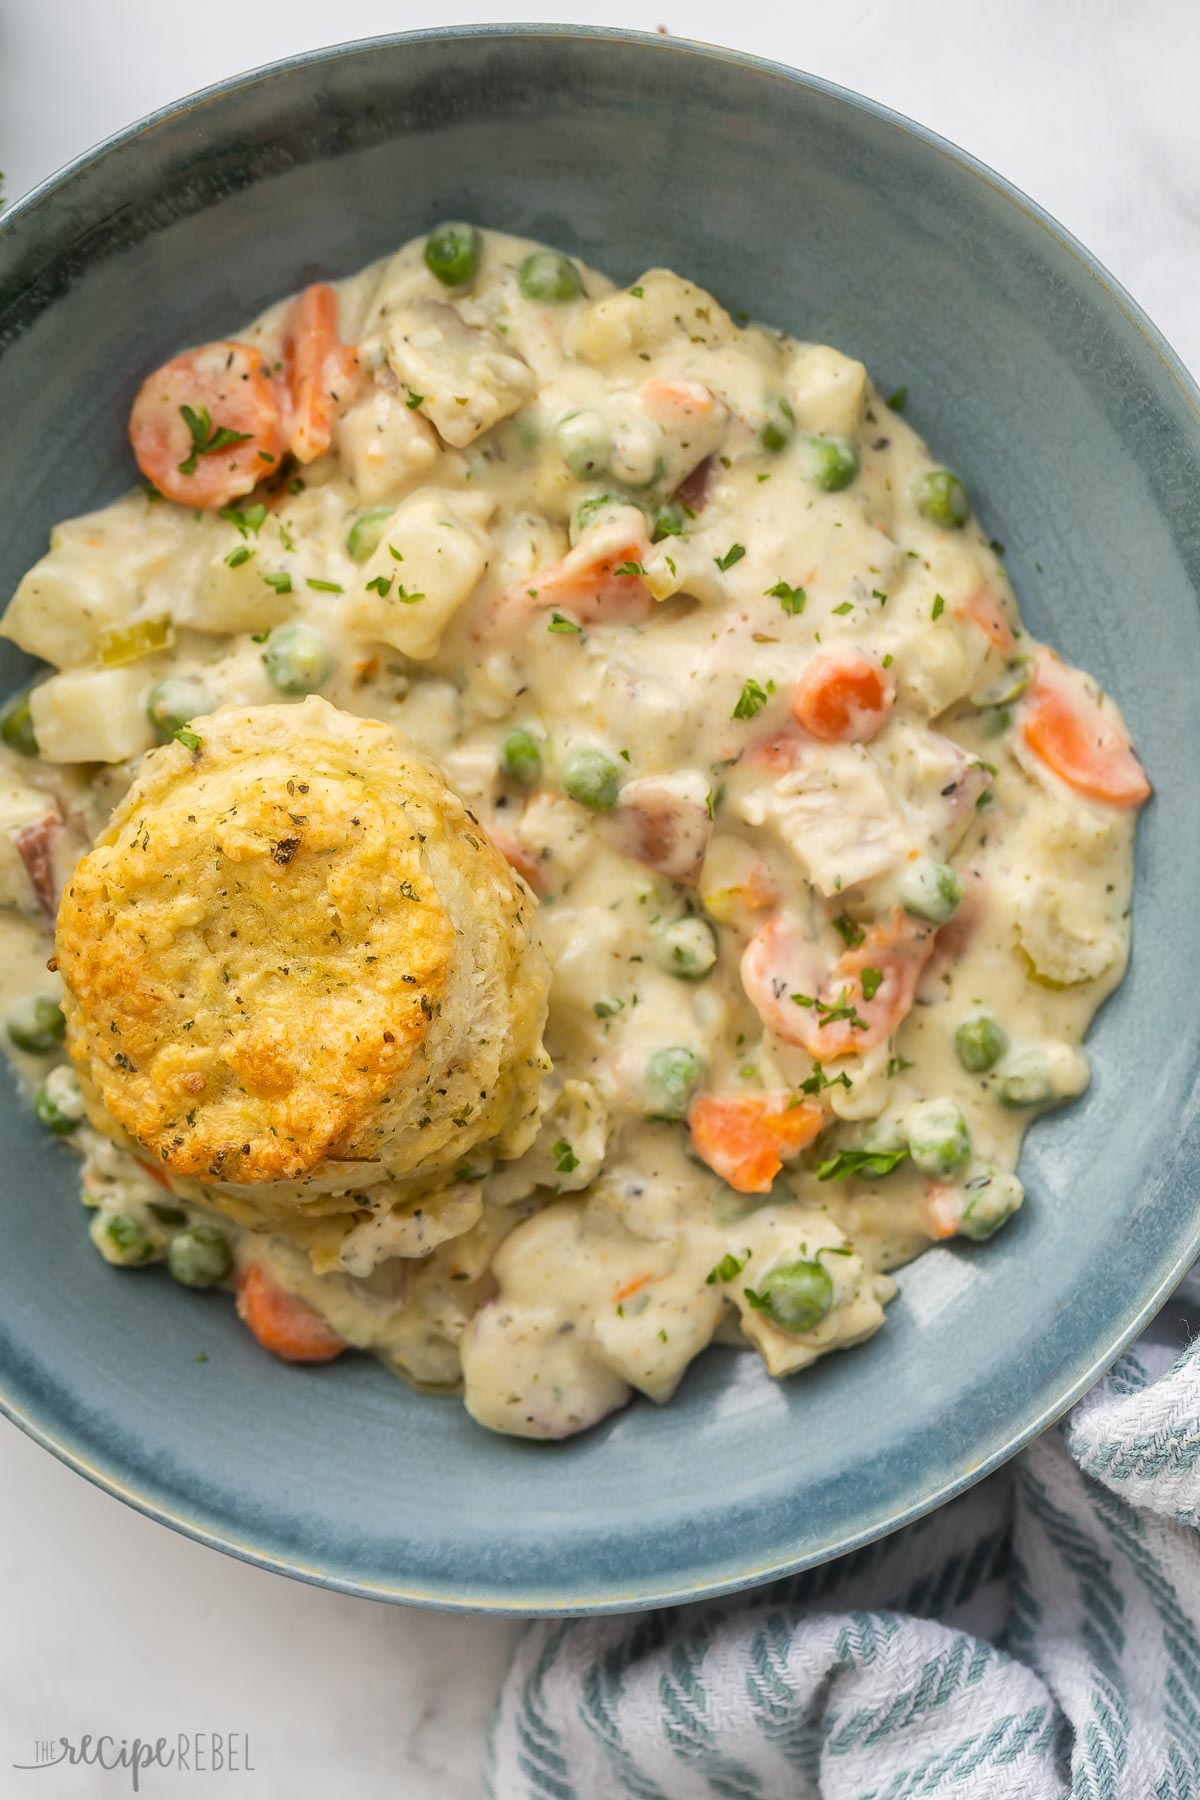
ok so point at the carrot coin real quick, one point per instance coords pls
(843, 697)
(205, 428)
(286, 1326)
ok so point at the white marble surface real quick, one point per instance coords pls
(110, 1623)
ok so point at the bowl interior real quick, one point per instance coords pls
(1079, 438)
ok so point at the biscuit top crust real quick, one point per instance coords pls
(255, 951)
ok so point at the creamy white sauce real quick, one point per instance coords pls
(603, 1260)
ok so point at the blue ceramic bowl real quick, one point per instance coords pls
(1077, 431)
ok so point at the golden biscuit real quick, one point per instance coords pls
(296, 969)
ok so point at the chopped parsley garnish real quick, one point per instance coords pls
(790, 598)
(897, 1065)
(414, 400)
(729, 1266)
(996, 545)
(829, 1012)
(396, 555)
(818, 1081)
(187, 737)
(871, 1163)
(565, 1159)
(939, 607)
(381, 586)
(851, 934)
(604, 1009)
(888, 660)
(845, 607)
(871, 981)
(639, 293)
(629, 568)
(897, 400)
(260, 637)
(280, 580)
(878, 594)
(408, 597)
(207, 438)
(752, 699)
(734, 554)
(237, 557)
(560, 622)
(247, 521)
(324, 587)
(285, 536)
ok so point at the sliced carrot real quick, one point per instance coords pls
(596, 583)
(985, 609)
(673, 401)
(942, 1209)
(1068, 731)
(206, 427)
(628, 1288)
(843, 697)
(834, 1017)
(517, 857)
(155, 1173)
(745, 1138)
(283, 1324)
(309, 341)
(781, 752)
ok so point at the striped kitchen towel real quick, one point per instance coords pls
(1037, 1638)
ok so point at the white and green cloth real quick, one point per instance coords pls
(1037, 1638)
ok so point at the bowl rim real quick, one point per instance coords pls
(1161, 1286)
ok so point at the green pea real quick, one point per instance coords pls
(834, 463)
(55, 1103)
(362, 539)
(796, 1295)
(930, 890)
(993, 1196)
(671, 1077)
(122, 1238)
(1009, 686)
(16, 725)
(938, 1140)
(591, 778)
(584, 443)
(980, 1044)
(200, 1256)
(452, 254)
(297, 659)
(547, 275)
(776, 434)
(666, 520)
(686, 948)
(174, 703)
(37, 1025)
(1025, 1080)
(521, 757)
(942, 499)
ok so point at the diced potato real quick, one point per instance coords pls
(93, 715)
(230, 598)
(660, 309)
(468, 378)
(1062, 930)
(827, 391)
(20, 807)
(63, 604)
(102, 571)
(430, 558)
(385, 446)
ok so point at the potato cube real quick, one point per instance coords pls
(93, 715)
(430, 557)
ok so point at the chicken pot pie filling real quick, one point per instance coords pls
(688, 875)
